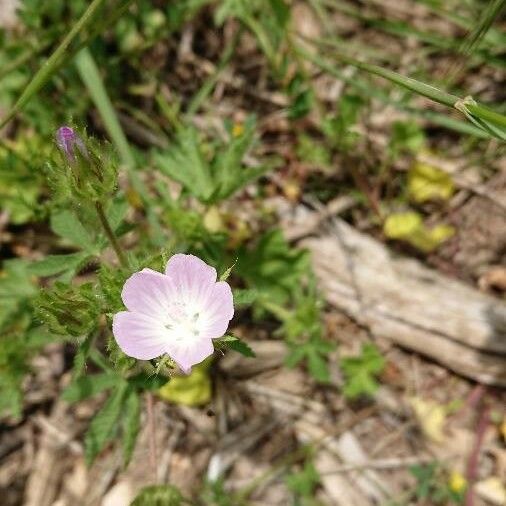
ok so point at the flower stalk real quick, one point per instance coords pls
(110, 234)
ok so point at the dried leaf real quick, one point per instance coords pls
(431, 417)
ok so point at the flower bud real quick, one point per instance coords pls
(67, 141)
(88, 172)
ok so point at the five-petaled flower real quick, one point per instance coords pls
(178, 313)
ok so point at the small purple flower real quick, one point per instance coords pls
(67, 140)
(178, 313)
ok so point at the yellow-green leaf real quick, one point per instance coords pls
(426, 182)
(409, 227)
(440, 233)
(192, 390)
(402, 225)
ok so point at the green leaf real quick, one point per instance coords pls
(67, 225)
(88, 386)
(296, 355)
(69, 309)
(244, 297)
(304, 483)
(273, 267)
(227, 169)
(158, 495)
(425, 475)
(116, 212)
(406, 136)
(317, 366)
(55, 264)
(360, 372)
(313, 151)
(236, 344)
(145, 381)
(131, 424)
(15, 282)
(104, 423)
(185, 162)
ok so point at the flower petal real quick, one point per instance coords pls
(192, 277)
(149, 292)
(139, 335)
(218, 311)
(188, 353)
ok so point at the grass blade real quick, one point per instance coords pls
(52, 63)
(474, 38)
(90, 75)
(490, 121)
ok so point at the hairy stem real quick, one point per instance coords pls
(110, 234)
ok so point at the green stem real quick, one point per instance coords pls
(110, 235)
(487, 114)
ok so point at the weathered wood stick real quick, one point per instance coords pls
(414, 306)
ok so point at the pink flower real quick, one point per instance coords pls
(67, 141)
(178, 313)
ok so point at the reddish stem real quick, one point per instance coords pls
(472, 464)
(152, 435)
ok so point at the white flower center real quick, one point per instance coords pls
(182, 321)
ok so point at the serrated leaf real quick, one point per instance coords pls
(104, 423)
(236, 344)
(242, 348)
(55, 264)
(360, 372)
(87, 386)
(273, 267)
(360, 384)
(67, 225)
(227, 168)
(317, 366)
(184, 162)
(244, 297)
(145, 381)
(297, 354)
(131, 425)
(117, 212)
